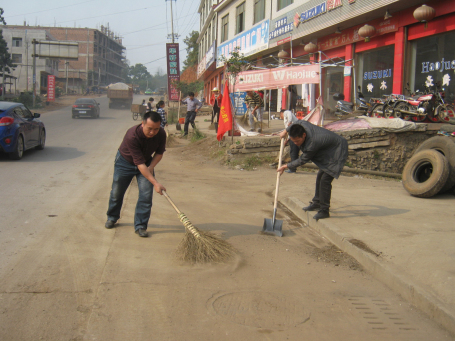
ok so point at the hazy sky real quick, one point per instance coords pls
(143, 25)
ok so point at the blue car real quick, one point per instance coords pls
(19, 130)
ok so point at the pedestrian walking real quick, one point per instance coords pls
(290, 119)
(255, 105)
(215, 102)
(325, 149)
(193, 105)
(150, 105)
(141, 150)
(160, 110)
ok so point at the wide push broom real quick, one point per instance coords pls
(200, 246)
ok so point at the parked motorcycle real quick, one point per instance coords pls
(384, 108)
(344, 108)
(429, 104)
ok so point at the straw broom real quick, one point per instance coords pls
(200, 246)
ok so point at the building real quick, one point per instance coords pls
(101, 56)
(377, 45)
(21, 49)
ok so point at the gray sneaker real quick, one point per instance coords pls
(109, 224)
(142, 232)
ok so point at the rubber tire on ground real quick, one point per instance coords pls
(42, 140)
(446, 146)
(19, 152)
(135, 116)
(425, 173)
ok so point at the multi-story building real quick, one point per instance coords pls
(101, 56)
(19, 42)
(377, 45)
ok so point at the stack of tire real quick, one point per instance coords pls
(431, 170)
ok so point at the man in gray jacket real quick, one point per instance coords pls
(326, 150)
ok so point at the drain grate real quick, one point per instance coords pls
(379, 314)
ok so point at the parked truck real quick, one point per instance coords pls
(120, 94)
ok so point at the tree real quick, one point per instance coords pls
(6, 63)
(192, 50)
(2, 19)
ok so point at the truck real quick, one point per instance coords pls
(120, 94)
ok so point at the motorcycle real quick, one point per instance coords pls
(429, 104)
(344, 108)
(384, 108)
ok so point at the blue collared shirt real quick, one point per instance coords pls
(192, 105)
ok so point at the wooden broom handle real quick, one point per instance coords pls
(278, 175)
(170, 201)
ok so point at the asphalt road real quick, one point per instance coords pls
(63, 276)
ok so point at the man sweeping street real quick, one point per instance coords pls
(141, 150)
(255, 105)
(326, 150)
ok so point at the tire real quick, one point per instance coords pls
(388, 111)
(425, 173)
(74, 116)
(403, 106)
(374, 112)
(19, 152)
(446, 146)
(42, 140)
(445, 113)
(135, 116)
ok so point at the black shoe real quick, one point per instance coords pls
(321, 215)
(312, 207)
(142, 232)
(109, 224)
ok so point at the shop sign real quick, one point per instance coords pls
(201, 67)
(248, 43)
(238, 98)
(350, 36)
(323, 7)
(281, 27)
(379, 74)
(50, 88)
(277, 78)
(443, 65)
(173, 70)
(210, 55)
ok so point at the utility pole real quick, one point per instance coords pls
(172, 25)
(86, 59)
(26, 64)
(66, 74)
(34, 42)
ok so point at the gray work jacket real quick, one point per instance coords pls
(323, 147)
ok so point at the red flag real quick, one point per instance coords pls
(225, 123)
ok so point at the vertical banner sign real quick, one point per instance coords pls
(173, 70)
(50, 88)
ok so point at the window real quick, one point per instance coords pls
(17, 58)
(17, 42)
(283, 3)
(240, 15)
(259, 10)
(224, 28)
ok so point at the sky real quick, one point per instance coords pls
(143, 25)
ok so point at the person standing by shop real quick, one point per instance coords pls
(289, 119)
(141, 150)
(215, 102)
(193, 105)
(255, 105)
(325, 149)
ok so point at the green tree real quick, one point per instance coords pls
(2, 19)
(6, 63)
(192, 50)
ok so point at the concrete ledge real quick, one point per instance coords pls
(390, 274)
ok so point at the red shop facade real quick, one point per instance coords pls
(401, 51)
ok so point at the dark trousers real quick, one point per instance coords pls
(124, 172)
(294, 151)
(190, 117)
(216, 112)
(323, 190)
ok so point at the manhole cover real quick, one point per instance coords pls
(260, 309)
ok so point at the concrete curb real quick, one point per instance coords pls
(391, 275)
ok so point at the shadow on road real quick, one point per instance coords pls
(46, 155)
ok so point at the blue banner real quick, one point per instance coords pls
(238, 98)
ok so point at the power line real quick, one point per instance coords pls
(48, 10)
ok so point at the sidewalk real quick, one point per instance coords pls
(405, 242)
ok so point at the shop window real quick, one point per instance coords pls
(224, 28)
(375, 72)
(283, 3)
(17, 42)
(17, 58)
(259, 10)
(433, 62)
(240, 16)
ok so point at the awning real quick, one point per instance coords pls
(277, 78)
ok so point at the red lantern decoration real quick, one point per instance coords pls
(310, 48)
(367, 31)
(424, 14)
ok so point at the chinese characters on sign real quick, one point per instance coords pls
(50, 88)
(173, 70)
(281, 27)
